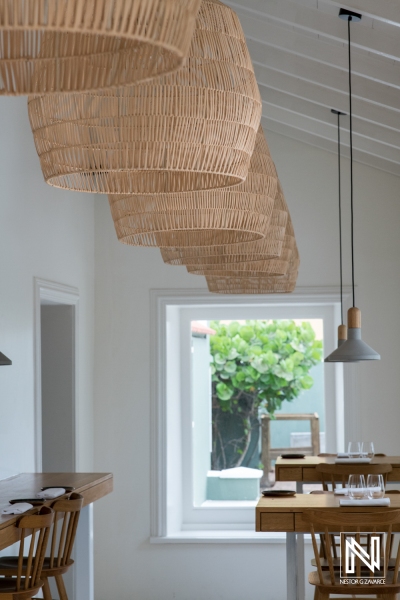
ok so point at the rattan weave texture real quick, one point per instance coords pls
(192, 130)
(257, 285)
(238, 214)
(231, 254)
(52, 46)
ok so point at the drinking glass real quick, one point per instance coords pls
(367, 449)
(354, 449)
(356, 485)
(375, 486)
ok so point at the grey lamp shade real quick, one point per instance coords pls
(342, 337)
(4, 360)
(353, 349)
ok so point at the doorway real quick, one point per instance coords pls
(56, 321)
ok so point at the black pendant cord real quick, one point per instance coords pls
(340, 221)
(351, 165)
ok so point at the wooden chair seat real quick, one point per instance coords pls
(8, 586)
(9, 565)
(327, 587)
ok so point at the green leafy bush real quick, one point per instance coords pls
(255, 367)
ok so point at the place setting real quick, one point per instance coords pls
(359, 493)
(357, 453)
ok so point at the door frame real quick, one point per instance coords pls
(57, 293)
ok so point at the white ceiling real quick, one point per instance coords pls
(299, 51)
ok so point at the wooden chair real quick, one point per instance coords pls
(332, 474)
(332, 523)
(26, 580)
(66, 512)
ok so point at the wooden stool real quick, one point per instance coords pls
(26, 580)
(66, 512)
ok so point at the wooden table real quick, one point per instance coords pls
(303, 469)
(285, 515)
(92, 486)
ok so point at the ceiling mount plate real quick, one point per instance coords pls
(346, 14)
(337, 112)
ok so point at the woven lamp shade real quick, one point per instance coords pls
(49, 46)
(238, 214)
(231, 254)
(192, 130)
(257, 285)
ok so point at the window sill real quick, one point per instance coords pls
(221, 537)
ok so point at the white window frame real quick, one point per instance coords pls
(173, 516)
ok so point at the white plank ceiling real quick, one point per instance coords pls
(299, 51)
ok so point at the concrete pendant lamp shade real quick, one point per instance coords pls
(200, 218)
(194, 129)
(53, 46)
(342, 337)
(4, 360)
(353, 349)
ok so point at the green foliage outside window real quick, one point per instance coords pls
(255, 367)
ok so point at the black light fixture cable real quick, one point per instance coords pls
(340, 219)
(351, 161)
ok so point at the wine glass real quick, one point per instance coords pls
(367, 449)
(375, 486)
(354, 449)
(356, 485)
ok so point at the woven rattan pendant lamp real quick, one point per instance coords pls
(257, 285)
(192, 130)
(264, 267)
(353, 349)
(231, 254)
(49, 46)
(342, 329)
(238, 214)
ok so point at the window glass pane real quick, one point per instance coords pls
(245, 373)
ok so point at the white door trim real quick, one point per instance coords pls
(58, 294)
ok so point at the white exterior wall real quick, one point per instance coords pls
(45, 233)
(124, 277)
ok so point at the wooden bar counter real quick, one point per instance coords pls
(92, 486)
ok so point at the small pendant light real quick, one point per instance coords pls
(353, 349)
(342, 329)
(4, 360)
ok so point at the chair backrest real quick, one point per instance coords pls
(67, 513)
(330, 523)
(38, 527)
(332, 474)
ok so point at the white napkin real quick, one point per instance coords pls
(17, 509)
(365, 502)
(350, 461)
(341, 492)
(51, 493)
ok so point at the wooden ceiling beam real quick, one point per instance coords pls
(330, 26)
(313, 139)
(271, 35)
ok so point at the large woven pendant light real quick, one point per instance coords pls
(230, 254)
(192, 130)
(254, 284)
(342, 329)
(238, 214)
(354, 349)
(51, 46)
(265, 266)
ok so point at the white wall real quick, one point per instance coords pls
(124, 276)
(46, 233)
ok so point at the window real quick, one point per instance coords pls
(184, 505)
